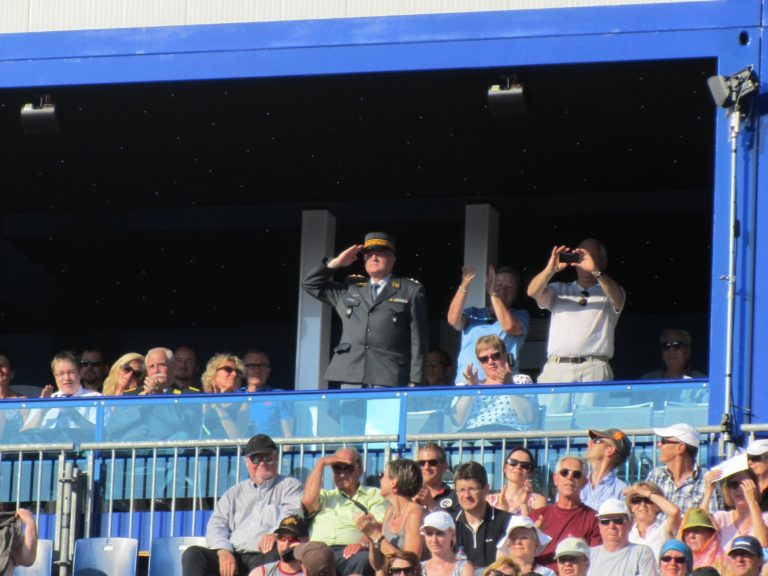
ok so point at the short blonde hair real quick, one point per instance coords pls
(110, 382)
(490, 341)
(504, 562)
(213, 364)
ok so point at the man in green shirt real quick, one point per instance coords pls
(334, 511)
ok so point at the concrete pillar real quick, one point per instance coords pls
(481, 247)
(318, 237)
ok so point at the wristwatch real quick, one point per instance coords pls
(597, 274)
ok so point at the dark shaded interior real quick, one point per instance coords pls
(170, 214)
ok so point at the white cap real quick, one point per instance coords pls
(524, 522)
(439, 520)
(613, 507)
(572, 546)
(757, 447)
(682, 432)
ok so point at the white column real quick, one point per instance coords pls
(318, 237)
(481, 247)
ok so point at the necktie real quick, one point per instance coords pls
(375, 290)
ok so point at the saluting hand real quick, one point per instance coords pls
(346, 258)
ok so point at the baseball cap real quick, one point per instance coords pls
(439, 520)
(617, 437)
(294, 525)
(317, 558)
(757, 447)
(683, 432)
(705, 571)
(572, 546)
(681, 547)
(748, 544)
(613, 507)
(259, 444)
(524, 522)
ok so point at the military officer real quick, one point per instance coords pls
(384, 337)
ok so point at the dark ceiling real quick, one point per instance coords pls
(173, 206)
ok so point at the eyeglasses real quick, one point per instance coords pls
(618, 521)
(266, 458)
(436, 364)
(471, 491)
(433, 532)
(257, 366)
(70, 373)
(136, 373)
(228, 369)
(669, 441)
(90, 363)
(432, 462)
(286, 538)
(496, 573)
(673, 345)
(343, 468)
(485, 359)
(564, 472)
(569, 559)
(584, 298)
(640, 500)
(408, 571)
(676, 559)
(514, 463)
(514, 539)
(759, 458)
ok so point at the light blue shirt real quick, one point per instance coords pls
(608, 487)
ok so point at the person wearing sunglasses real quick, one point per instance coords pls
(645, 501)
(568, 515)
(93, 369)
(498, 317)
(617, 555)
(126, 374)
(606, 451)
(745, 556)
(239, 536)
(757, 459)
(675, 344)
(680, 477)
(517, 495)
(291, 533)
(435, 494)
(675, 559)
(439, 532)
(572, 555)
(701, 534)
(333, 512)
(524, 541)
(493, 412)
(400, 563)
(223, 375)
(584, 314)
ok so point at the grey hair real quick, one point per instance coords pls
(167, 352)
(570, 457)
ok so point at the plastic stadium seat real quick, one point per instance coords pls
(43, 561)
(165, 554)
(105, 557)
(693, 414)
(622, 417)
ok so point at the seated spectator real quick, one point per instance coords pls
(479, 526)
(702, 536)
(21, 549)
(439, 370)
(742, 516)
(745, 556)
(645, 501)
(606, 451)
(333, 512)
(434, 409)
(676, 357)
(125, 375)
(617, 555)
(185, 370)
(572, 555)
(439, 531)
(435, 494)
(93, 369)
(400, 529)
(7, 374)
(501, 412)
(523, 542)
(503, 566)
(568, 516)
(291, 532)
(274, 417)
(680, 477)
(160, 369)
(675, 559)
(240, 533)
(400, 563)
(517, 495)
(66, 372)
(757, 458)
(498, 318)
(223, 375)
(316, 559)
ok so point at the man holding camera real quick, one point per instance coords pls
(584, 314)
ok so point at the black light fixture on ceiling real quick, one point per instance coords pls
(507, 98)
(39, 116)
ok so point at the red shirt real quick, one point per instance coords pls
(559, 524)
